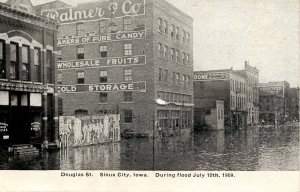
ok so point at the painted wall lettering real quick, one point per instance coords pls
(211, 76)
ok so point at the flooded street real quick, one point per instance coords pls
(254, 149)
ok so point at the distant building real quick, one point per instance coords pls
(252, 81)
(209, 114)
(294, 103)
(122, 58)
(274, 102)
(28, 97)
(226, 85)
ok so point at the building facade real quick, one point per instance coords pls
(120, 57)
(252, 81)
(226, 85)
(274, 102)
(294, 103)
(27, 88)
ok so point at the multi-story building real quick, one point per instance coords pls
(252, 81)
(226, 85)
(132, 57)
(27, 72)
(273, 102)
(294, 103)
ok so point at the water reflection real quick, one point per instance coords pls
(272, 148)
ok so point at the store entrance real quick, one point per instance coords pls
(19, 126)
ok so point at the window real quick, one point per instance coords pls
(183, 80)
(183, 36)
(187, 37)
(188, 80)
(80, 77)
(103, 76)
(177, 56)
(80, 52)
(127, 96)
(25, 63)
(59, 77)
(103, 26)
(103, 51)
(128, 116)
(165, 52)
(165, 27)
(166, 76)
(103, 97)
(177, 33)
(172, 31)
(59, 58)
(160, 50)
(174, 78)
(2, 60)
(49, 68)
(160, 75)
(188, 59)
(79, 29)
(183, 58)
(207, 112)
(172, 54)
(127, 24)
(37, 64)
(127, 75)
(177, 78)
(13, 61)
(127, 49)
(159, 23)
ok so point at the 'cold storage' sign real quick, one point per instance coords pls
(271, 90)
(71, 40)
(107, 87)
(94, 63)
(96, 10)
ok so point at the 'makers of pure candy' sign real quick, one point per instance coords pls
(96, 11)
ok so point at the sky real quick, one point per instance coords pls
(229, 32)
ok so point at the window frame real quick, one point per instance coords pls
(80, 29)
(80, 52)
(127, 76)
(25, 77)
(127, 49)
(80, 80)
(127, 26)
(103, 78)
(103, 49)
(103, 29)
(37, 66)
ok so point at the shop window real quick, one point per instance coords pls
(59, 57)
(80, 77)
(79, 29)
(80, 52)
(49, 67)
(103, 97)
(127, 96)
(13, 61)
(127, 24)
(59, 77)
(103, 76)
(160, 53)
(159, 23)
(103, 51)
(24, 99)
(172, 31)
(165, 52)
(128, 49)
(165, 27)
(37, 64)
(4, 98)
(14, 99)
(128, 116)
(160, 75)
(172, 54)
(127, 75)
(2, 60)
(35, 99)
(103, 26)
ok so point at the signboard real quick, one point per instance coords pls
(107, 87)
(3, 127)
(128, 35)
(97, 10)
(211, 76)
(14, 86)
(94, 63)
(35, 126)
(271, 90)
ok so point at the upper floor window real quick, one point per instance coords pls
(49, 67)
(37, 64)
(166, 76)
(59, 77)
(128, 49)
(177, 56)
(165, 27)
(127, 75)
(183, 35)
(79, 29)
(177, 33)
(160, 75)
(80, 77)
(127, 96)
(165, 52)
(127, 24)
(80, 52)
(160, 50)
(103, 51)
(177, 78)
(103, 97)
(103, 26)
(159, 23)
(188, 37)
(174, 78)
(103, 76)
(13, 61)
(59, 58)
(172, 31)
(172, 54)
(188, 59)
(2, 61)
(183, 58)
(25, 63)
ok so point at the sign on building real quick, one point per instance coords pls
(211, 76)
(271, 90)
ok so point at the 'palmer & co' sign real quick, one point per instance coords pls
(97, 10)
(94, 63)
(105, 87)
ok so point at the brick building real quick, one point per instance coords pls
(226, 85)
(27, 72)
(274, 102)
(132, 57)
(252, 81)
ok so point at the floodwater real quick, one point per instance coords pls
(254, 149)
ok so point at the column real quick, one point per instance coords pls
(45, 120)
(31, 64)
(19, 62)
(7, 60)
